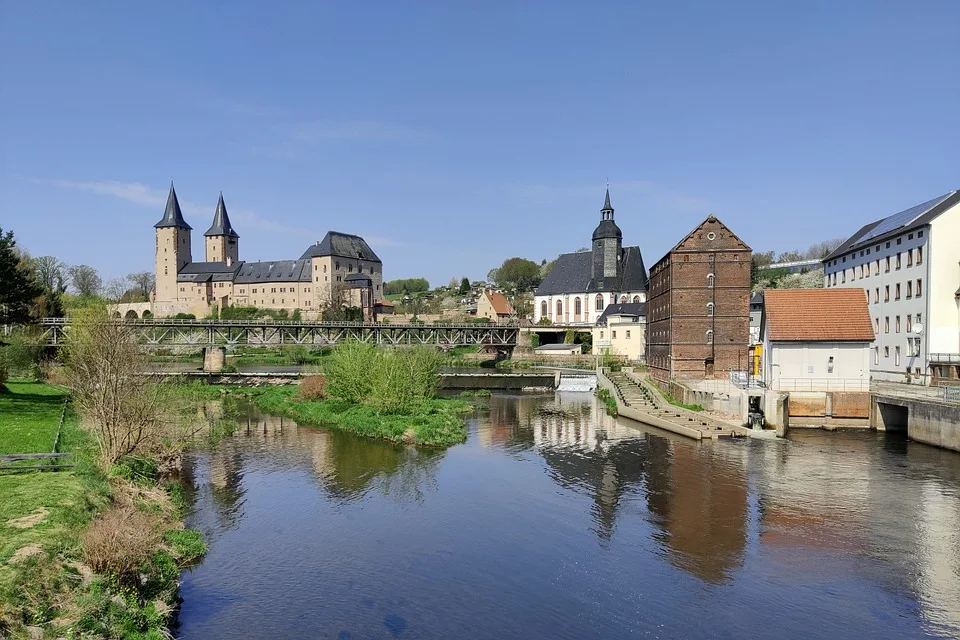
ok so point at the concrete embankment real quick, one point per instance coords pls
(638, 401)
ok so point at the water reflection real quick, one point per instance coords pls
(602, 528)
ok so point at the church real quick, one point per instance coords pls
(341, 270)
(582, 284)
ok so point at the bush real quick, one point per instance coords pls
(544, 321)
(184, 316)
(313, 388)
(391, 380)
(120, 540)
(296, 354)
(534, 341)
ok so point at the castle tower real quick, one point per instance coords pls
(220, 238)
(173, 248)
(607, 244)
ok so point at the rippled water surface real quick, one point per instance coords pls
(556, 521)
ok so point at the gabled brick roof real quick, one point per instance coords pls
(500, 304)
(817, 315)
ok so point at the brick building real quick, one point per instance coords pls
(698, 311)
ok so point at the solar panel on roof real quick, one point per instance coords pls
(898, 220)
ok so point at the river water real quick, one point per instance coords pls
(555, 521)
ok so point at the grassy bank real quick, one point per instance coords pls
(83, 554)
(438, 422)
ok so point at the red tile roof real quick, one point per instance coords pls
(500, 304)
(817, 315)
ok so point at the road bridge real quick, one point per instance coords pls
(155, 334)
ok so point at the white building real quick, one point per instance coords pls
(582, 284)
(622, 331)
(909, 266)
(816, 340)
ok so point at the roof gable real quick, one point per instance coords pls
(571, 274)
(817, 315)
(343, 245)
(723, 239)
(500, 303)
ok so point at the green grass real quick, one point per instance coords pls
(29, 415)
(439, 422)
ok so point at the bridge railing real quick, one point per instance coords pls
(206, 322)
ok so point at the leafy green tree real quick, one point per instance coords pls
(518, 273)
(409, 285)
(464, 287)
(18, 287)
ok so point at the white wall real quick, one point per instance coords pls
(622, 337)
(589, 313)
(809, 361)
(942, 327)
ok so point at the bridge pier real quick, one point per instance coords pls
(214, 358)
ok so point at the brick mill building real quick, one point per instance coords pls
(698, 311)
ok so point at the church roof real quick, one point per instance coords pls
(221, 222)
(172, 216)
(571, 274)
(343, 245)
(274, 271)
(607, 227)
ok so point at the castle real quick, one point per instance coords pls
(339, 271)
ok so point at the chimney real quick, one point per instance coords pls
(229, 261)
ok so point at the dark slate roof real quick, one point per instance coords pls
(559, 346)
(571, 274)
(883, 229)
(356, 280)
(756, 298)
(274, 271)
(606, 202)
(342, 245)
(172, 216)
(623, 309)
(207, 271)
(607, 229)
(221, 222)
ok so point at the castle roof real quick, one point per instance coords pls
(607, 227)
(571, 274)
(274, 271)
(342, 245)
(221, 222)
(209, 271)
(172, 216)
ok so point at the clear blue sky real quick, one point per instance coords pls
(456, 134)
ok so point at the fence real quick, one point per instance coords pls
(946, 393)
(821, 384)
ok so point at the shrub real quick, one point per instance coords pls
(534, 341)
(313, 388)
(184, 316)
(120, 540)
(296, 354)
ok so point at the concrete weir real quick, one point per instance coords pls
(924, 420)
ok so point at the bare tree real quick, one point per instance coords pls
(51, 272)
(116, 401)
(85, 279)
(143, 282)
(115, 290)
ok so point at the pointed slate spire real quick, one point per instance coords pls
(606, 202)
(221, 222)
(172, 216)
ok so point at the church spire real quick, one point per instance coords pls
(607, 212)
(172, 216)
(221, 222)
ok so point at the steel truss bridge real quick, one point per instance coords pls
(160, 334)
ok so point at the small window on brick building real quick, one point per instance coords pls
(709, 308)
(709, 336)
(710, 279)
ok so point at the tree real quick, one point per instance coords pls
(51, 273)
(85, 280)
(143, 283)
(409, 285)
(519, 274)
(464, 287)
(18, 288)
(115, 290)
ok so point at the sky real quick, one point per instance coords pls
(454, 135)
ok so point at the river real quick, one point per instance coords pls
(556, 521)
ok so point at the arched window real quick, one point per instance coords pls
(636, 298)
(709, 336)
(623, 299)
(576, 307)
(710, 279)
(543, 309)
(338, 266)
(559, 309)
(598, 303)
(709, 308)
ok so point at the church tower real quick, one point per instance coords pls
(173, 248)
(607, 245)
(220, 239)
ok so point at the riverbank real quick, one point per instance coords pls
(83, 553)
(437, 422)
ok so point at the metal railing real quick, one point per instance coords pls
(820, 384)
(945, 358)
(946, 393)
